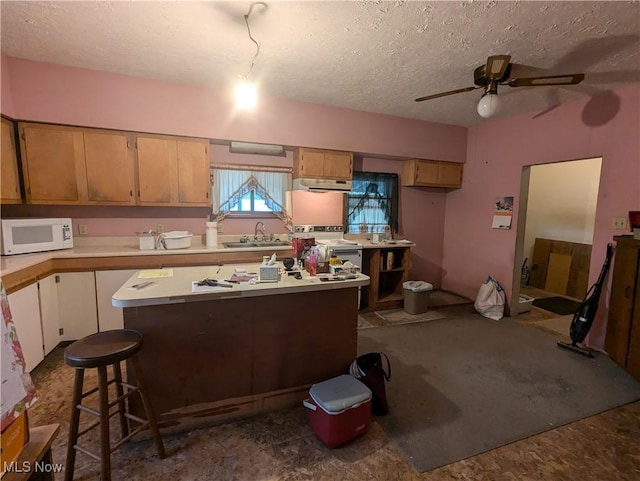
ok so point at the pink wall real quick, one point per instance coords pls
(67, 95)
(496, 153)
(54, 93)
(6, 100)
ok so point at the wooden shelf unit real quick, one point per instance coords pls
(385, 286)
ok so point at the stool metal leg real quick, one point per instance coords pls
(73, 424)
(153, 427)
(117, 375)
(105, 443)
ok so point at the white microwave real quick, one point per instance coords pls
(20, 236)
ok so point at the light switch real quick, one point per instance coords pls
(82, 229)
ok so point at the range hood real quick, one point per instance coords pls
(322, 185)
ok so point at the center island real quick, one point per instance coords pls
(233, 352)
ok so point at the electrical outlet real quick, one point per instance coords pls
(160, 228)
(82, 229)
(619, 223)
(220, 228)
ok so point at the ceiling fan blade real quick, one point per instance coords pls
(444, 94)
(570, 79)
(496, 66)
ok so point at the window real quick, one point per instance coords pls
(372, 204)
(250, 192)
(251, 202)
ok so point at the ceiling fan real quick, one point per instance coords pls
(496, 72)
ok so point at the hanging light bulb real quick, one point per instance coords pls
(246, 95)
(489, 104)
(246, 92)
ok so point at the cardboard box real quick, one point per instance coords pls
(14, 438)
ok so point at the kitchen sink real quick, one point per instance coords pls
(254, 244)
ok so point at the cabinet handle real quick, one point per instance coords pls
(627, 292)
(130, 193)
(207, 194)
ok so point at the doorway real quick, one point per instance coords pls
(556, 221)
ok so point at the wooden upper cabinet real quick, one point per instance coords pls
(157, 170)
(194, 172)
(9, 161)
(110, 165)
(322, 164)
(53, 164)
(432, 173)
(173, 171)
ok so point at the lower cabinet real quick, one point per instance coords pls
(77, 301)
(25, 312)
(107, 283)
(49, 313)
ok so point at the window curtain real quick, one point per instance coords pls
(228, 186)
(372, 204)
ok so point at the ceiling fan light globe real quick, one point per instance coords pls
(488, 105)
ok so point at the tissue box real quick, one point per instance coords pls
(147, 240)
(269, 273)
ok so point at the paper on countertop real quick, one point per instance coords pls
(155, 273)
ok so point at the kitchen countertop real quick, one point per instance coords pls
(176, 289)
(10, 264)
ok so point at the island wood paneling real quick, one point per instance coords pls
(209, 361)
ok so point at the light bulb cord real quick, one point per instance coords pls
(246, 21)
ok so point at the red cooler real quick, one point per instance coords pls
(339, 409)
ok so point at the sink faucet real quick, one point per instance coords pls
(257, 229)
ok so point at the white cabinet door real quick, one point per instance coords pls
(107, 283)
(49, 313)
(25, 312)
(77, 305)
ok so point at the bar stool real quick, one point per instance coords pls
(99, 351)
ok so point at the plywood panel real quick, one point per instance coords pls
(558, 273)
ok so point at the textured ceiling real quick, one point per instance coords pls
(375, 56)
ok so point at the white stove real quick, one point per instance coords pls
(329, 235)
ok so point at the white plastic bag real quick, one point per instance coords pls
(490, 300)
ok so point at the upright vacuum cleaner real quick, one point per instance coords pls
(586, 312)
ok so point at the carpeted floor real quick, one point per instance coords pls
(465, 385)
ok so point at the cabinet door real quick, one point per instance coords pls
(426, 173)
(338, 165)
(49, 313)
(450, 174)
(77, 302)
(310, 163)
(623, 287)
(193, 172)
(109, 162)
(107, 283)
(157, 171)
(25, 312)
(9, 174)
(53, 164)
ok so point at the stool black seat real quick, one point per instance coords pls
(100, 350)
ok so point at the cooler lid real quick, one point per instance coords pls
(339, 393)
